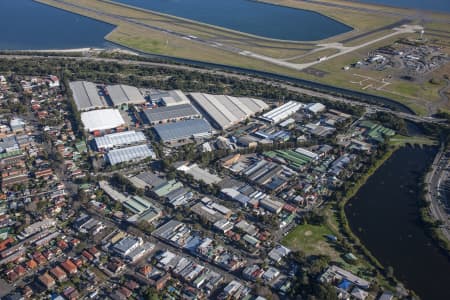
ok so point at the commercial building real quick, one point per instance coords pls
(169, 98)
(139, 205)
(129, 154)
(278, 253)
(102, 119)
(183, 130)
(173, 113)
(272, 205)
(283, 112)
(86, 95)
(337, 274)
(146, 180)
(126, 245)
(124, 95)
(116, 140)
(315, 108)
(200, 174)
(226, 111)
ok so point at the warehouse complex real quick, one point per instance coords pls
(124, 95)
(173, 132)
(169, 98)
(119, 139)
(86, 95)
(134, 153)
(282, 112)
(103, 119)
(173, 113)
(226, 111)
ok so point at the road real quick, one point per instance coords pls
(287, 86)
(162, 245)
(438, 173)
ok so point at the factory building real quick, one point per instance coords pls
(169, 98)
(86, 96)
(183, 130)
(134, 153)
(103, 119)
(116, 140)
(122, 95)
(283, 112)
(226, 111)
(172, 113)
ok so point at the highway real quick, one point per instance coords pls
(285, 85)
(439, 173)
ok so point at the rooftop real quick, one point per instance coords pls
(102, 119)
(130, 154)
(86, 95)
(167, 113)
(227, 111)
(119, 139)
(124, 94)
(183, 130)
(170, 98)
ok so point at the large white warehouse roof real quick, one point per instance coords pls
(119, 139)
(227, 111)
(284, 111)
(102, 119)
(130, 154)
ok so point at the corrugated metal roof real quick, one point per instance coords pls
(120, 139)
(124, 94)
(183, 129)
(131, 153)
(226, 110)
(170, 98)
(86, 95)
(166, 113)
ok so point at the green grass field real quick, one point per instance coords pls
(311, 240)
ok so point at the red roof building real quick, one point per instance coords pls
(58, 274)
(47, 280)
(69, 266)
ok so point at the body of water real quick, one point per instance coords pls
(436, 5)
(251, 17)
(30, 25)
(385, 216)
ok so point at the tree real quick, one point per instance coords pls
(390, 272)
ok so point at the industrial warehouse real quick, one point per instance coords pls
(179, 131)
(134, 153)
(281, 113)
(124, 95)
(226, 111)
(119, 139)
(169, 98)
(86, 96)
(173, 113)
(103, 119)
